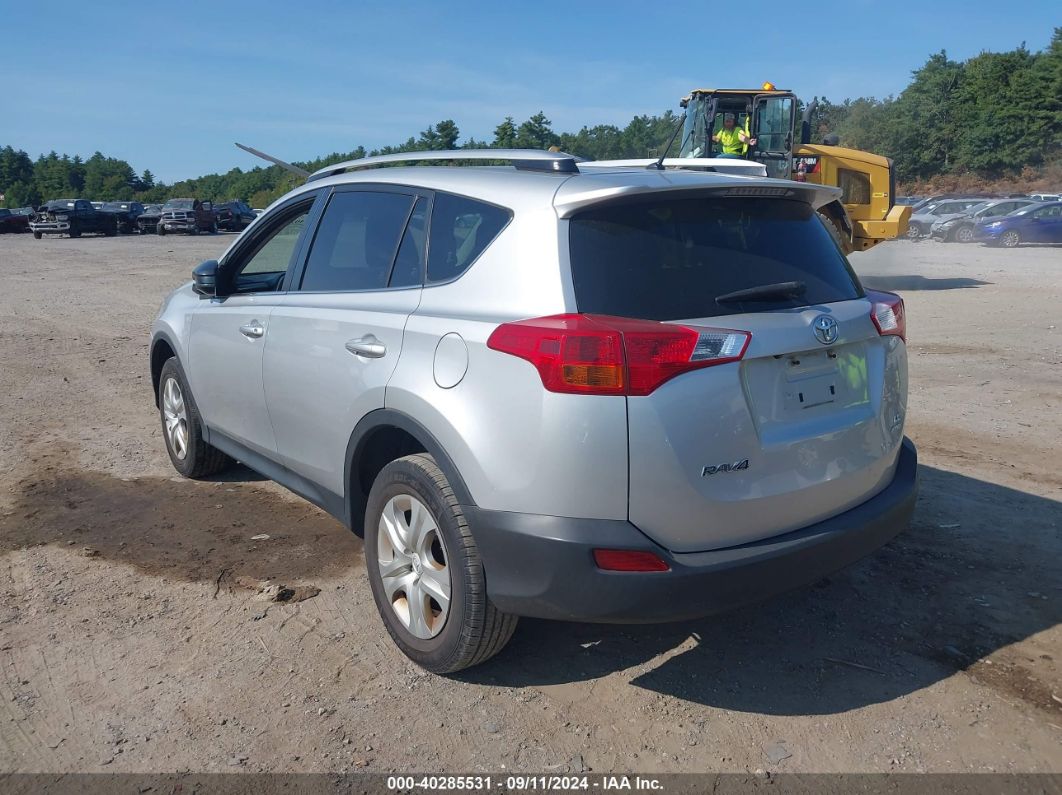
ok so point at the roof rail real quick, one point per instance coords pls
(522, 159)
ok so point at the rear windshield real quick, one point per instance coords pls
(670, 259)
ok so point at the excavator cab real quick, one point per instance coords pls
(765, 115)
(866, 212)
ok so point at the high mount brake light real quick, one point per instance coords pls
(603, 355)
(886, 310)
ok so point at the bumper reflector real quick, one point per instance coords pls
(629, 560)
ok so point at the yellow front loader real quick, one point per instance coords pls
(865, 215)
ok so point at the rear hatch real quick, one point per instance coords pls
(808, 422)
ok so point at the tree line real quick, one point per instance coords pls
(996, 116)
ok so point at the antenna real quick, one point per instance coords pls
(276, 161)
(659, 164)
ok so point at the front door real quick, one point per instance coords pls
(334, 340)
(1045, 225)
(228, 335)
(772, 127)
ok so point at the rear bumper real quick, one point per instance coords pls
(542, 566)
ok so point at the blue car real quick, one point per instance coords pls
(1037, 223)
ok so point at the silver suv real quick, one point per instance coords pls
(550, 388)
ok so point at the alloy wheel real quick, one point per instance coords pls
(413, 566)
(175, 418)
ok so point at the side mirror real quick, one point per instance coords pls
(204, 279)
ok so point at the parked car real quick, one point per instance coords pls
(1046, 197)
(234, 216)
(585, 418)
(73, 217)
(187, 215)
(922, 219)
(11, 221)
(960, 226)
(125, 214)
(147, 222)
(908, 200)
(1040, 222)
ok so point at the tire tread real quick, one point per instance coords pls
(487, 630)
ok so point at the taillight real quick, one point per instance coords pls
(886, 310)
(602, 355)
(629, 560)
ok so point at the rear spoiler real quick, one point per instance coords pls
(567, 203)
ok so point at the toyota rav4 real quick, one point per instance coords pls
(554, 389)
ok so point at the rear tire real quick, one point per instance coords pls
(914, 231)
(182, 427)
(1010, 239)
(836, 234)
(424, 521)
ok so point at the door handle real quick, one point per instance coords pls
(367, 346)
(252, 330)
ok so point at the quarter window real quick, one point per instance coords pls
(461, 228)
(356, 241)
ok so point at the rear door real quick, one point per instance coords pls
(335, 340)
(805, 426)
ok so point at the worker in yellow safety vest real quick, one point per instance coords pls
(733, 142)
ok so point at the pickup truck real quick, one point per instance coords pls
(234, 216)
(148, 220)
(125, 214)
(72, 217)
(12, 221)
(188, 215)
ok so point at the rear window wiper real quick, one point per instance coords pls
(765, 292)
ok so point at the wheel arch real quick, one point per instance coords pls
(382, 436)
(162, 349)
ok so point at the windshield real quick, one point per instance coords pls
(60, 204)
(179, 204)
(152, 208)
(669, 259)
(115, 206)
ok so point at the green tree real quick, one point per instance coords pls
(505, 134)
(536, 133)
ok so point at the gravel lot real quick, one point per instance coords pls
(129, 640)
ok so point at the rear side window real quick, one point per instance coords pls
(671, 259)
(461, 229)
(356, 241)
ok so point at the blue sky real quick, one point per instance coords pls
(170, 86)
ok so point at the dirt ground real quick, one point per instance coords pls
(130, 642)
